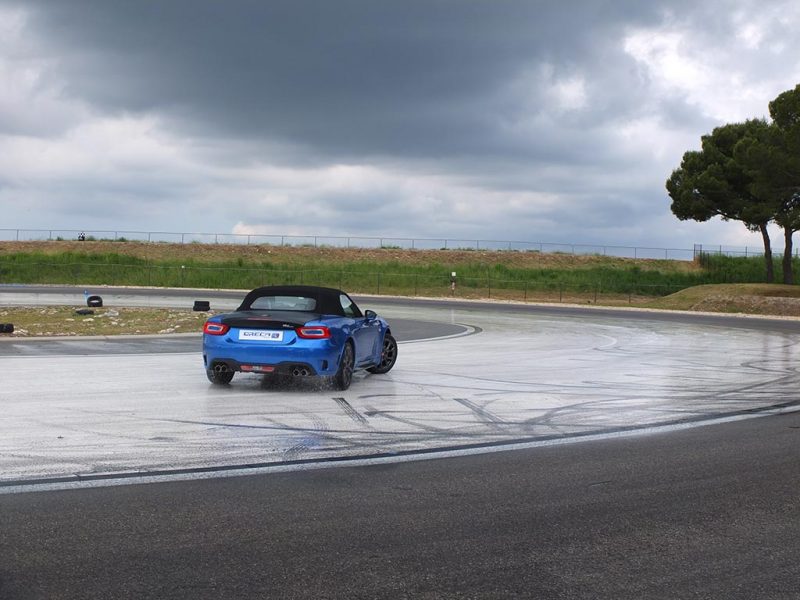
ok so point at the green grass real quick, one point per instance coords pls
(478, 279)
(726, 269)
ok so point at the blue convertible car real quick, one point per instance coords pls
(297, 331)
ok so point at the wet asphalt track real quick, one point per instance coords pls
(711, 512)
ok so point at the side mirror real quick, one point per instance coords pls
(370, 315)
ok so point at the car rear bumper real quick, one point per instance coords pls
(295, 369)
(289, 361)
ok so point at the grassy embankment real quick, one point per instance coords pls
(520, 276)
(481, 274)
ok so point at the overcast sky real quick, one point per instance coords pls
(471, 119)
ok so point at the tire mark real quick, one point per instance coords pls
(424, 427)
(486, 417)
(350, 411)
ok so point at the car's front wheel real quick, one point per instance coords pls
(344, 376)
(388, 356)
(220, 374)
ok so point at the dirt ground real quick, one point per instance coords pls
(753, 305)
(48, 321)
(746, 298)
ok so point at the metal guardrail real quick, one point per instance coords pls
(318, 241)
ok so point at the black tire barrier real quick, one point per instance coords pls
(6, 328)
(95, 301)
(84, 311)
(201, 306)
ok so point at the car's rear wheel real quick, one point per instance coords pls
(388, 356)
(344, 376)
(220, 374)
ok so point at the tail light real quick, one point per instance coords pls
(313, 333)
(212, 328)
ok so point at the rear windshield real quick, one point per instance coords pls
(299, 303)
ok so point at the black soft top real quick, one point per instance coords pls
(328, 299)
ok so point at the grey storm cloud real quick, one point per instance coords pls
(345, 78)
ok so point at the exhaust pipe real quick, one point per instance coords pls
(300, 372)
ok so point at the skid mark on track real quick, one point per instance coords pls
(350, 411)
(485, 417)
(310, 440)
(393, 416)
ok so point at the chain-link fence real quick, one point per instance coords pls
(323, 241)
